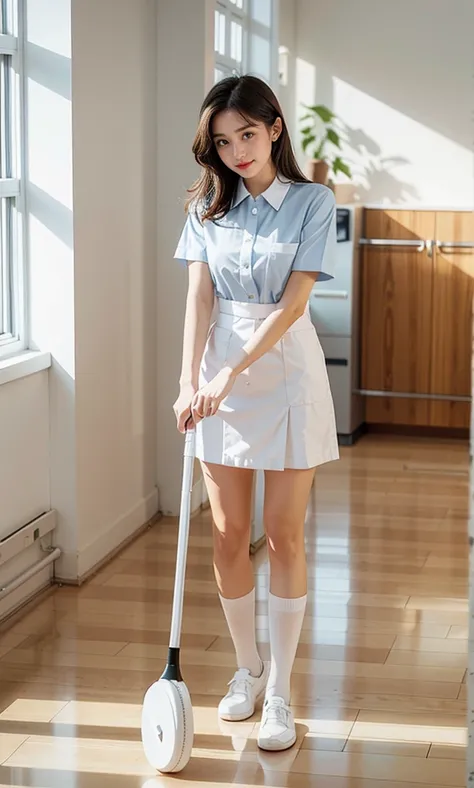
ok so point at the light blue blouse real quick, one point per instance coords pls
(253, 249)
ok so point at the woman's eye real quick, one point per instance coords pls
(248, 134)
(221, 143)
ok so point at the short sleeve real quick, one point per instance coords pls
(318, 237)
(192, 243)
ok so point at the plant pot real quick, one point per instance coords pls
(318, 171)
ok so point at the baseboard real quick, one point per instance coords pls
(75, 568)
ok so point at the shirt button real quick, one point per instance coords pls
(251, 296)
(254, 211)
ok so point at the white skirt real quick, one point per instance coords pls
(280, 412)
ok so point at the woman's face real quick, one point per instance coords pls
(245, 149)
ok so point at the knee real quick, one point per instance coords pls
(231, 542)
(285, 540)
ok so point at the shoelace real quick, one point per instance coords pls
(276, 711)
(240, 682)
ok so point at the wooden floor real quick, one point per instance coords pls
(378, 685)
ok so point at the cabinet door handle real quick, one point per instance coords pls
(411, 395)
(419, 244)
(455, 244)
(330, 294)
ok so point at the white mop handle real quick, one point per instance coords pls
(183, 534)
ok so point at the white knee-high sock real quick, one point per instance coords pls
(240, 617)
(285, 619)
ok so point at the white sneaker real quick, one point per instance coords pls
(277, 729)
(245, 690)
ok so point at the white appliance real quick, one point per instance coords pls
(335, 312)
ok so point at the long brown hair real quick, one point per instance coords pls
(252, 98)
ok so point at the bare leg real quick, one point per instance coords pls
(230, 496)
(286, 500)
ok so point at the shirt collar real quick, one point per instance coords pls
(274, 195)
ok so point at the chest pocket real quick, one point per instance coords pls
(283, 249)
(275, 258)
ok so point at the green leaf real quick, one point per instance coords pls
(346, 170)
(307, 141)
(307, 130)
(333, 137)
(340, 166)
(318, 153)
(323, 112)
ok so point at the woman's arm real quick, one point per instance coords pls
(199, 305)
(291, 306)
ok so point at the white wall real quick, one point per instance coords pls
(37, 413)
(82, 438)
(400, 76)
(114, 132)
(51, 242)
(185, 73)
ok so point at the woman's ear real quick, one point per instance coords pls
(276, 129)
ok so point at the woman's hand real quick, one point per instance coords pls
(206, 401)
(182, 406)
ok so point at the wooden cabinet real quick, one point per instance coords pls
(416, 318)
(453, 292)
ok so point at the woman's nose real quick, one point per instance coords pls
(239, 152)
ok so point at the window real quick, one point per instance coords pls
(229, 37)
(244, 39)
(11, 255)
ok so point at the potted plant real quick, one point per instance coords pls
(318, 135)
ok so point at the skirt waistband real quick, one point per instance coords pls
(229, 310)
(243, 309)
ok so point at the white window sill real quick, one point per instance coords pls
(26, 363)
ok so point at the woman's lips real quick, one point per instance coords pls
(244, 165)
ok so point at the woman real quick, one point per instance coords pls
(254, 381)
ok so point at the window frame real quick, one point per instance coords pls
(228, 66)
(12, 202)
(231, 12)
